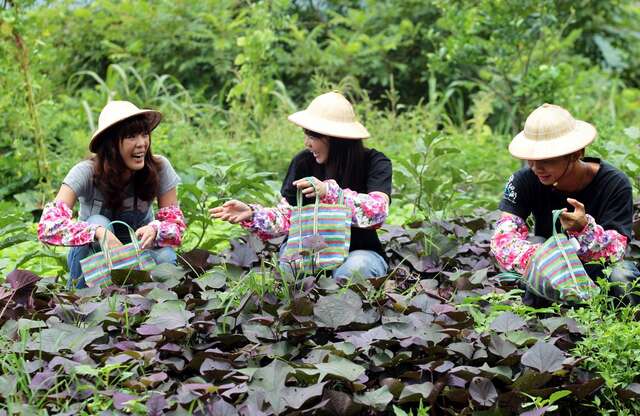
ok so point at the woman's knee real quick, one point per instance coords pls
(365, 263)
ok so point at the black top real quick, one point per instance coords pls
(608, 199)
(378, 179)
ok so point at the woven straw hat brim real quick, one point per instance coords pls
(526, 148)
(153, 119)
(342, 130)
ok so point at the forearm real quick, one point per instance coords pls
(57, 228)
(269, 223)
(597, 243)
(169, 225)
(367, 210)
(509, 243)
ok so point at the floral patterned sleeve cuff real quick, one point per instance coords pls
(169, 225)
(368, 210)
(269, 223)
(57, 228)
(597, 243)
(509, 243)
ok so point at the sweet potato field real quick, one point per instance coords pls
(225, 334)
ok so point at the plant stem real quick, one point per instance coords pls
(22, 53)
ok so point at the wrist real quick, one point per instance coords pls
(98, 233)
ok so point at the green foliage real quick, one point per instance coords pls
(610, 345)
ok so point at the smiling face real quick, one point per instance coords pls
(318, 145)
(133, 149)
(550, 171)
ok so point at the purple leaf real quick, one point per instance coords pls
(21, 278)
(153, 379)
(314, 243)
(538, 412)
(43, 380)
(156, 405)
(483, 391)
(147, 330)
(120, 399)
(221, 408)
(507, 322)
(544, 357)
(242, 254)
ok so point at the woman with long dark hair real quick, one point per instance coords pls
(120, 182)
(334, 162)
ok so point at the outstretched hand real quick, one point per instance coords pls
(307, 186)
(233, 211)
(576, 220)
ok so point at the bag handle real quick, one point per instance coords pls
(556, 216)
(105, 248)
(556, 236)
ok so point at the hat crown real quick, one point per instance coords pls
(115, 111)
(548, 122)
(332, 106)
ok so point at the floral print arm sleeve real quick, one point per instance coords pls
(169, 225)
(368, 210)
(597, 243)
(57, 228)
(269, 223)
(509, 243)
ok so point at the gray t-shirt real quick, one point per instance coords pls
(80, 179)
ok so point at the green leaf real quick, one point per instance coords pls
(341, 368)
(170, 314)
(544, 357)
(61, 336)
(416, 392)
(378, 399)
(338, 310)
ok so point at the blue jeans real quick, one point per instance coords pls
(365, 263)
(160, 255)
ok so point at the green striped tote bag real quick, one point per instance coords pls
(96, 268)
(319, 236)
(556, 273)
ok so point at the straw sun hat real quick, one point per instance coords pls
(550, 131)
(115, 112)
(332, 115)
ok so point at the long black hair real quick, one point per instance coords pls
(345, 163)
(109, 168)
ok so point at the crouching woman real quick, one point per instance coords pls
(120, 182)
(333, 163)
(595, 197)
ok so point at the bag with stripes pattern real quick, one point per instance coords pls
(556, 273)
(97, 267)
(319, 236)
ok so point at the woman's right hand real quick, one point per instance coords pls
(112, 240)
(233, 211)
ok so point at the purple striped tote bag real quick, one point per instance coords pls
(319, 236)
(556, 273)
(97, 267)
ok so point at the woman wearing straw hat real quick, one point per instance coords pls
(596, 197)
(334, 160)
(120, 182)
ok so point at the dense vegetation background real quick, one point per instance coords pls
(441, 85)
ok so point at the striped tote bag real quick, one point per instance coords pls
(97, 267)
(319, 236)
(556, 273)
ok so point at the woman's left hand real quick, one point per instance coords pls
(576, 220)
(146, 235)
(308, 189)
